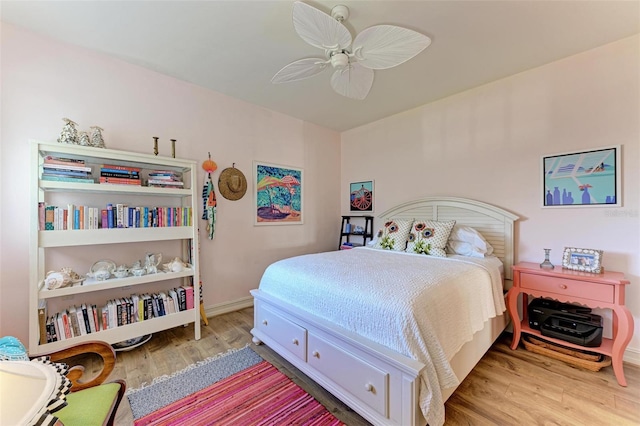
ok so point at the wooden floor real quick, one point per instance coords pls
(506, 387)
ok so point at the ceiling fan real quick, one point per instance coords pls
(375, 48)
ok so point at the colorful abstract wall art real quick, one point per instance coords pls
(278, 194)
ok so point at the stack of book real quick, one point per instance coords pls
(165, 179)
(65, 170)
(120, 175)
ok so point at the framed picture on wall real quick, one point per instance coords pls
(361, 196)
(278, 194)
(588, 178)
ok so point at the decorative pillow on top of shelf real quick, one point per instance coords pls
(393, 234)
(429, 237)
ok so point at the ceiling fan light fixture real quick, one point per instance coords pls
(375, 48)
(339, 60)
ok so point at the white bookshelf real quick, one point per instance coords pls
(44, 241)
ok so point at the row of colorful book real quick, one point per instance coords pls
(55, 218)
(120, 175)
(66, 170)
(81, 320)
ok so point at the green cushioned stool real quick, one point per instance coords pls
(90, 407)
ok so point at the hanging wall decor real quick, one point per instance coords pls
(209, 197)
(232, 183)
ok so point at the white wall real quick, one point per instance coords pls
(486, 144)
(44, 81)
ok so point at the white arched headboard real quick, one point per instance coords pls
(494, 223)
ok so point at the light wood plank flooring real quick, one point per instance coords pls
(506, 387)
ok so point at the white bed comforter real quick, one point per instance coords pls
(423, 307)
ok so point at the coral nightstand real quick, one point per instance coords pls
(605, 291)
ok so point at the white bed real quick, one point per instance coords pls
(390, 377)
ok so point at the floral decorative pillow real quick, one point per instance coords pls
(429, 237)
(393, 235)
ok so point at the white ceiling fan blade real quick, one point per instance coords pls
(319, 29)
(299, 70)
(385, 46)
(353, 81)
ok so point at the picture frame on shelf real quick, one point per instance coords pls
(278, 194)
(582, 259)
(361, 196)
(589, 178)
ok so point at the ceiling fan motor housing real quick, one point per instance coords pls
(340, 13)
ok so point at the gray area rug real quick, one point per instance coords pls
(167, 389)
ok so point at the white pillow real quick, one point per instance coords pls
(429, 237)
(466, 241)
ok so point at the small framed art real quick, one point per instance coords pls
(583, 260)
(361, 196)
(589, 178)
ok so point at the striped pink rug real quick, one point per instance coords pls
(259, 395)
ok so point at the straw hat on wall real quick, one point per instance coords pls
(232, 184)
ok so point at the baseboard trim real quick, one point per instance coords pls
(632, 356)
(226, 307)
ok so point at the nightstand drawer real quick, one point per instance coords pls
(576, 288)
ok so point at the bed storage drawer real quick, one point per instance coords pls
(291, 336)
(365, 381)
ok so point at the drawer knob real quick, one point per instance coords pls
(316, 354)
(295, 341)
(369, 387)
(264, 322)
(563, 286)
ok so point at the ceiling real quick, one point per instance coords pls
(235, 47)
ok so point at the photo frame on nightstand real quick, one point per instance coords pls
(583, 260)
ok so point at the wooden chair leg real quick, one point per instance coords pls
(203, 314)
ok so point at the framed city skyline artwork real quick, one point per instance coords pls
(588, 178)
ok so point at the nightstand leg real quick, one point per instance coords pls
(622, 333)
(512, 304)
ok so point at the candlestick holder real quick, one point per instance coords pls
(546, 264)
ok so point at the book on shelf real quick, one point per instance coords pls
(188, 296)
(121, 168)
(119, 174)
(77, 167)
(119, 181)
(63, 173)
(162, 182)
(61, 160)
(56, 178)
